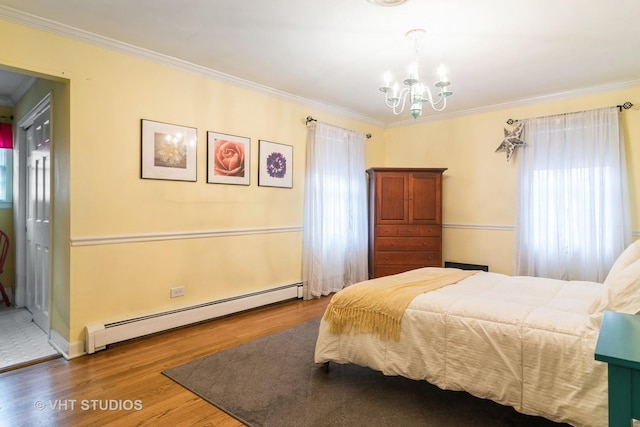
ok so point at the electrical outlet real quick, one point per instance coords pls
(178, 291)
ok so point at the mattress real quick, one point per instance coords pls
(524, 342)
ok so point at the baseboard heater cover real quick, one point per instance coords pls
(98, 336)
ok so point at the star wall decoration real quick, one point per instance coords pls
(511, 141)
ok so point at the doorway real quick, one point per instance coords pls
(27, 322)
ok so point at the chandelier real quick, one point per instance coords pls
(415, 91)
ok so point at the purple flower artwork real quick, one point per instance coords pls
(276, 165)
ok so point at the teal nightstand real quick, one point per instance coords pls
(619, 346)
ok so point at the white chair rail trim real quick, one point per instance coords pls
(178, 235)
(480, 227)
(635, 233)
(204, 234)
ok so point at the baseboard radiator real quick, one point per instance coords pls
(98, 336)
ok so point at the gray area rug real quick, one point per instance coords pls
(273, 381)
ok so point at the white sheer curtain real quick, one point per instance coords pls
(573, 210)
(335, 239)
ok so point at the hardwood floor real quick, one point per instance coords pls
(123, 385)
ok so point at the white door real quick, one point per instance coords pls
(38, 198)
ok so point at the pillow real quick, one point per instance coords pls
(623, 290)
(626, 258)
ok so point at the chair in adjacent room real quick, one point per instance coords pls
(4, 248)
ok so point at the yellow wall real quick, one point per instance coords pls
(98, 193)
(480, 186)
(99, 98)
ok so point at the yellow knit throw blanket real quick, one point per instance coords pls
(377, 306)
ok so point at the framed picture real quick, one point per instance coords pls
(168, 151)
(228, 159)
(276, 165)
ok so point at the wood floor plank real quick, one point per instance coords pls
(104, 388)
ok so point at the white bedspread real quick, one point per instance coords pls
(520, 341)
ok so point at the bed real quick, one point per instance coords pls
(524, 342)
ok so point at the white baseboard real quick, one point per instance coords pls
(98, 336)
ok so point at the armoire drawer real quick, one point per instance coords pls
(409, 243)
(408, 230)
(412, 258)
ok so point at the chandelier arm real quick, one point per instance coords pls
(443, 99)
(429, 96)
(401, 98)
(390, 102)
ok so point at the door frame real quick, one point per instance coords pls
(20, 153)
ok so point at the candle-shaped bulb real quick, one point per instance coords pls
(413, 70)
(387, 79)
(443, 73)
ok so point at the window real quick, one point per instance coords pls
(6, 178)
(573, 215)
(335, 235)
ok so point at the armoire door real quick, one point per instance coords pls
(424, 198)
(393, 198)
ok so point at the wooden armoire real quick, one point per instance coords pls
(405, 219)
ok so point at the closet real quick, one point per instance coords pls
(405, 219)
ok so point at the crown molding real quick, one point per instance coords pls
(558, 96)
(43, 24)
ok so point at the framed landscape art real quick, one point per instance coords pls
(168, 151)
(276, 165)
(228, 159)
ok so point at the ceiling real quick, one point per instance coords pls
(333, 53)
(13, 86)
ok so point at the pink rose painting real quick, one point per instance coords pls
(229, 158)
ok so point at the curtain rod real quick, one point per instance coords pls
(10, 118)
(311, 119)
(624, 106)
